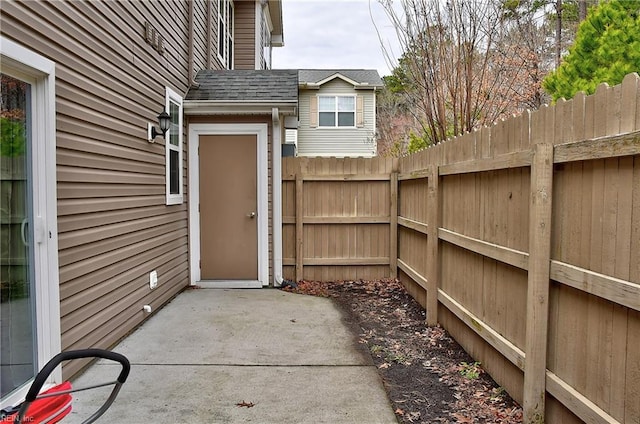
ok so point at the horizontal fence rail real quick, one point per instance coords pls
(522, 240)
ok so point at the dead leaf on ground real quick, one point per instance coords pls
(462, 419)
(245, 404)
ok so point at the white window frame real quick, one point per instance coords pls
(174, 198)
(336, 110)
(226, 55)
(263, 55)
(39, 71)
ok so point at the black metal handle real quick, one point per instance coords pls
(44, 373)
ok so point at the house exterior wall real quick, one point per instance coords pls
(202, 33)
(338, 142)
(244, 35)
(113, 224)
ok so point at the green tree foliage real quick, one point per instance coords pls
(607, 48)
(12, 137)
(417, 143)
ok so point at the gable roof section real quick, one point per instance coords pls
(242, 91)
(360, 78)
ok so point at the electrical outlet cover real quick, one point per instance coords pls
(153, 279)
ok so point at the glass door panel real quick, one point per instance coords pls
(17, 318)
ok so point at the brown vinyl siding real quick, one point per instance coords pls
(245, 38)
(113, 224)
(200, 35)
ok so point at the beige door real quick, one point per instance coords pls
(228, 207)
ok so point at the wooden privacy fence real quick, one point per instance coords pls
(522, 240)
(338, 218)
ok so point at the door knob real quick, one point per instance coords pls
(251, 215)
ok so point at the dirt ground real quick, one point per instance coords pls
(429, 378)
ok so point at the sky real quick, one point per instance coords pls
(321, 34)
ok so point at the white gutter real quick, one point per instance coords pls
(212, 107)
(276, 169)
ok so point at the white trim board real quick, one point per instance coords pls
(229, 284)
(261, 133)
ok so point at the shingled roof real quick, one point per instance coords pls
(363, 77)
(245, 86)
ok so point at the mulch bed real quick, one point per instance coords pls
(428, 377)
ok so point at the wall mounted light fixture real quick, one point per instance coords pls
(164, 121)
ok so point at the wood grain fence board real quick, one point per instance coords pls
(322, 261)
(613, 109)
(393, 225)
(490, 250)
(632, 383)
(413, 274)
(609, 146)
(566, 332)
(619, 219)
(576, 402)
(299, 227)
(515, 355)
(598, 324)
(414, 175)
(625, 404)
(347, 220)
(613, 289)
(618, 371)
(538, 289)
(433, 246)
(634, 263)
(414, 225)
(504, 161)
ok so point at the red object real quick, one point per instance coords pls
(46, 410)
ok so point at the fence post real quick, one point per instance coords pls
(538, 283)
(393, 224)
(433, 259)
(299, 227)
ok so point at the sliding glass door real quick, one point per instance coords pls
(17, 303)
(29, 287)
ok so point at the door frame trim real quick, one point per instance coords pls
(261, 133)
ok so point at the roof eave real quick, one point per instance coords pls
(317, 86)
(275, 10)
(220, 107)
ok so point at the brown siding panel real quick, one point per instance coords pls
(114, 227)
(244, 35)
(200, 35)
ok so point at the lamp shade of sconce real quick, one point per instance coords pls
(164, 122)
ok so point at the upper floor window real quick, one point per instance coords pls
(225, 32)
(337, 111)
(173, 146)
(266, 42)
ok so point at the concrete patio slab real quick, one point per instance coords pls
(292, 357)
